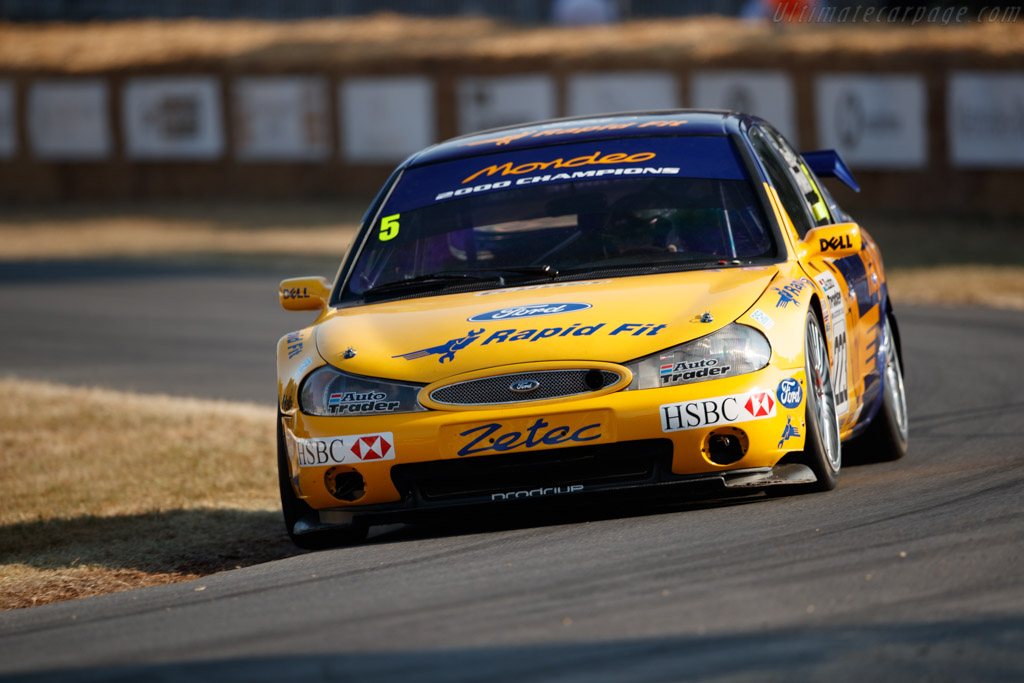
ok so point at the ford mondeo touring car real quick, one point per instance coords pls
(661, 300)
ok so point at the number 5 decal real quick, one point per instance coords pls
(388, 227)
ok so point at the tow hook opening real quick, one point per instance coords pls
(594, 380)
(344, 483)
(725, 445)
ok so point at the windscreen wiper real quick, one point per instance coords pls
(452, 277)
(545, 269)
(429, 281)
(671, 264)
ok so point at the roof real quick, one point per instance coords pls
(581, 129)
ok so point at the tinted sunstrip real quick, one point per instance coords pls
(711, 157)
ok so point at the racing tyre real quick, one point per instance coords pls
(886, 437)
(294, 509)
(822, 449)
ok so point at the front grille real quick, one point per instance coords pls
(552, 384)
(629, 462)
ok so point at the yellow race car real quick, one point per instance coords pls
(666, 301)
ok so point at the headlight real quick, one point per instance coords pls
(328, 392)
(733, 350)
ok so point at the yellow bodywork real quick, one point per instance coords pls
(433, 340)
(651, 313)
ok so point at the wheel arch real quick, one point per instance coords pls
(814, 304)
(888, 310)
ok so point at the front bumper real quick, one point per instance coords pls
(626, 440)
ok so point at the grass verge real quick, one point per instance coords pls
(965, 285)
(105, 491)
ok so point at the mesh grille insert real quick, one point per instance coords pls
(550, 384)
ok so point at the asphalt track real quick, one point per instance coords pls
(911, 570)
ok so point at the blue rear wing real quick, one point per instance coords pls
(826, 162)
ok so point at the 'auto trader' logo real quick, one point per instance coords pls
(446, 350)
(528, 311)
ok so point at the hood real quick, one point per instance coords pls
(617, 320)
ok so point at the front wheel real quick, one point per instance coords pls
(886, 437)
(822, 449)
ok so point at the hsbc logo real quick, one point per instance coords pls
(721, 410)
(374, 447)
(339, 450)
(760, 404)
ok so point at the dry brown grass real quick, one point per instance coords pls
(966, 285)
(386, 39)
(106, 490)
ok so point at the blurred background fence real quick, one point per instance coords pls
(929, 115)
(521, 11)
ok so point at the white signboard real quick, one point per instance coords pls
(491, 102)
(873, 121)
(385, 119)
(8, 131)
(764, 93)
(601, 93)
(174, 117)
(281, 118)
(68, 119)
(985, 115)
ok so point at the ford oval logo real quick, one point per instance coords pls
(524, 386)
(527, 311)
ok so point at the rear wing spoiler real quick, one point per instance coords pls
(826, 162)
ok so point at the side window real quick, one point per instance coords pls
(801, 176)
(838, 215)
(782, 180)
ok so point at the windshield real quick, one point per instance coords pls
(668, 203)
